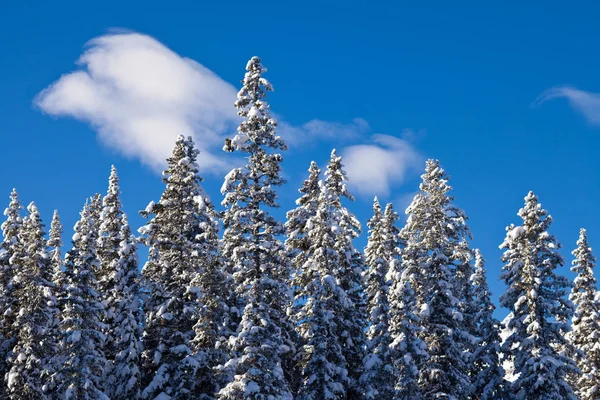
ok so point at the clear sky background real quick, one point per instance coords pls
(505, 94)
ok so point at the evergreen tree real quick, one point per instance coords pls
(10, 229)
(536, 297)
(212, 329)
(585, 332)
(83, 339)
(119, 284)
(297, 242)
(176, 235)
(349, 273)
(252, 249)
(380, 252)
(56, 261)
(32, 357)
(436, 250)
(319, 304)
(488, 374)
(408, 351)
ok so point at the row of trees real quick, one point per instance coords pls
(272, 310)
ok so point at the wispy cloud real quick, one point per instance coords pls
(586, 103)
(318, 130)
(374, 168)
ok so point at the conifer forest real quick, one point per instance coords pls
(233, 304)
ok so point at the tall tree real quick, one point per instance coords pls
(436, 250)
(536, 298)
(251, 246)
(119, 285)
(319, 303)
(585, 332)
(54, 245)
(32, 357)
(349, 273)
(10, 229)
(213, 325)
(381, 250)
(488, 374)
(83, 339)
(176, 235)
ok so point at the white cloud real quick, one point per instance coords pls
(318, 130)
(139, 95)
(374, 168)
(587, 103)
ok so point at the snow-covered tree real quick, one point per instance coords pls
(349, 273)
(319, 305)
(82, 374)
(436, 249)
(10, 229)
(213, 327)
(54, 245)
(178, 235)
(408, 352)
(381, 250)
(252, 249)
(536, 298)
(32, 358)
(119, 286)
(488, 374)
(585, 333)
(297, 241)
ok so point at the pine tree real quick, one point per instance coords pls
(319, 303)
(380, 252)
(436, 250)
(408, 351)
(585, 332)
(83, 339)
(10, 229)
(31, 358)
(252, 249)
(212, 329)
(536, 297)
(177, 238)
(297, 242)
(488, 374)
(349, 274)
(119, 285)
(56, 261)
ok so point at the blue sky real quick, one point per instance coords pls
(505, 95)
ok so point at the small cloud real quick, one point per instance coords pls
(318, 130)
(139, 95)
(586, 103)
(374, 168)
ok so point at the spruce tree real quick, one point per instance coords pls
(213, 325)
(252, 249)
(488, 374)
(536, 298)
(119, 285)
(380, 252)
(32, 358)
(178, 235)
(585, 332)
(10, 229)
(83, 339)
(349, 273)
(297, 241)
(436, 236)
(319, 305)
(54, 245)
